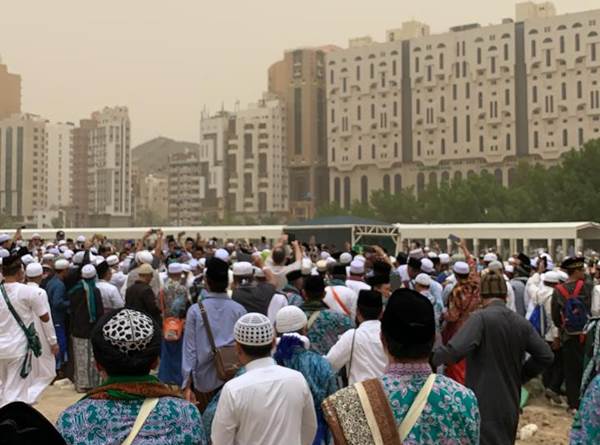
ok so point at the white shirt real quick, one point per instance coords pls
(277, 302)
(596, 301)
(543, 295)
(346, 295)
(118, 279)
(268, 405)
(368, 358)
(357, 286)
(111, 297)
(24, 299)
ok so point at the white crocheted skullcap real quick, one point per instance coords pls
(144, 257)
(346, 258)
(78, 257)
(88, 272)
(112, 260)
(253, 329)
(290, 319)
(34, 270)
(129, 330)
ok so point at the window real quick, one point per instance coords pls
(508, 142)
(395, 109)
(360, 152)
(428, 73)
(416, 64)
(480, 99)
(331, 77)
(506, 51)
(579, 89)
(344, 84)
(468, 128)
(247, 185)
(247, 145)
(565, 138)
(593, 52)
(332, 116)
(454, 91)
(443, 146)
(418, 148)
(577, 42)
(347, 191)
(457, 49)
(358, 113)
(562, 44)
(373, 151)
(357, 72)
(548, 58)
(467, 90)
(372, 111)
(481, 143)
(507, 97)
(386, 184)
(455, 129)
(580, 136)
(479, 56)
(397, 183)
(536, 139)
(298, 120)
(441, 61)
(563, 90)
(533, 48)
(534, 95)
(418, 106)
(442, 104)
(457, 70)
(372, 71)
(393, 67)
(396, 149)
(493, 64)
(464, 69)
(383, 79)
(364, 189)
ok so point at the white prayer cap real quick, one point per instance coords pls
(290, 319)
(202, 262)
(325, 255)
(444, 258)
(427, 265)
(253, 329)
(509, 268)
(47, 257)
(4, 237)
(242, 269)
(461, 268)
(360, 258)
(78, 257)
(144, 257)
(489, 257)
(222, 254)
(306, 266)
(562, 276)
(36, 235)
(416, 253)
(175, 268)
(423, 279)
(330, 260)
(94, 251)
(259, 273)
(357, 267)
(51, 244)
(112, 260)
(4, 253)
(432, 255)
(63, 248)
(322, 266)
(54, 251)
(99, 260)
(81, 239)
(186, 267)
(27, 259)
(496, 265)
(345, 258)
(88, 272)
(551, 277)
(62, 242)
(61, 264)
(34, 270)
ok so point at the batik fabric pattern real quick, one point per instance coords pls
(293, 296)
(327, 327)
(586, 425)
(109, 422)
(86, 374)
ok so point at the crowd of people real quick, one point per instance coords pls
(180, 340)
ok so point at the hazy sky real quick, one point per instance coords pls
(167, 60)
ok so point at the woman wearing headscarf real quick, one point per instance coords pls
(86, 308)
(126, 347)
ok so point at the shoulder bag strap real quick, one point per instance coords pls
(416, 408)
(145, 410)
(378, 412)
(577, 289)
(351, 354)
(209, 333)
(339, 301)
(563, 290)
(13, 311)
(312, 319)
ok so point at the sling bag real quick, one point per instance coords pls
(145, 411)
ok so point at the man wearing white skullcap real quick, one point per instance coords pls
(356, 280)
(345, 258)
(143, 257)
(269, 402)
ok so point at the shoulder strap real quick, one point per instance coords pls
(351, 354)
(209, 333)
(312, 319)
(378, 412)
(145, 410)
(416, 408)
(339, 301)
(577, 289)
(13, 311)
(562, 290)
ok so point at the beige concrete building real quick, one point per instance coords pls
(299, 80)
(79, 181)
(215, 133)
(257, 161)
(59, 149)
(419, 109)
(153, 197)
(184, 181)
(109, 168)
(23, 166)
(10, 92)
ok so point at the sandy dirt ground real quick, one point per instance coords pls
(553, 422)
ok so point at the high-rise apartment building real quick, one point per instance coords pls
(10, 92)
(184, 181)
(420, 109)
(215, 133)
(59, 150)
(299, 80)
(153, 199)
(79, 181)
(109, 168)
(23, 166)
(257, 161)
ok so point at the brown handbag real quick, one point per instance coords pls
(225, 358)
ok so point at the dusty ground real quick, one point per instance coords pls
(553, 422)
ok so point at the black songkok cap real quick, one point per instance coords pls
(217, 270)
(573, 263)
(408, 318)
(314, 284)
(338, 269)
(370, 298)
(294, 275)
(102, 268)
(414, 263)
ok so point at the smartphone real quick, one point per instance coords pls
(23, 227)
(454, 238)
(291, 238)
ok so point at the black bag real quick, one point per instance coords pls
(33, 340)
